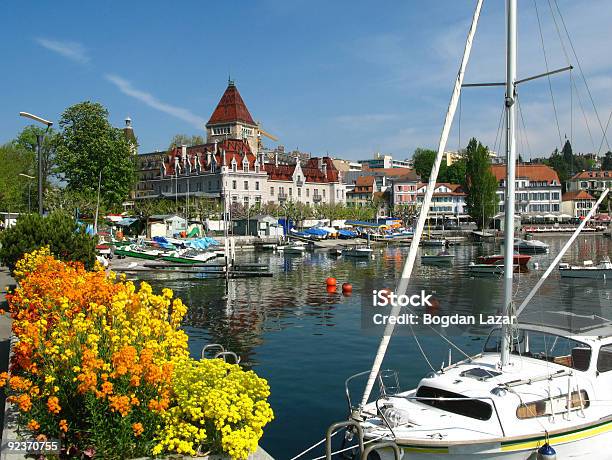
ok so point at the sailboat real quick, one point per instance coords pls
(539, 388)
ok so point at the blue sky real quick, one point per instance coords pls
(346, 78)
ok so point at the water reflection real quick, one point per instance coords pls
(300, 336)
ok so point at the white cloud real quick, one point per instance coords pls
(178, 112)
(70, 50)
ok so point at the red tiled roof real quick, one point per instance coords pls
(231, 108)
(311, 169)
(533, 172)
(593, 175)
(390, 172)
(234, 148)
(455, 189)
(576, 195)
(365, 181)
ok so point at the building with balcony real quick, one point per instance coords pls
(448, 199)
(234, 168)
(537, 189)
(592, 182)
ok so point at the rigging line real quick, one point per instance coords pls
(497, 133)
(421, 348)
(552, 97)
(569, 39)
(602, 139)
(586, 119)
(520, 110)
(346, 449)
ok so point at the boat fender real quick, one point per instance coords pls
(536, 265)
(546, 452)
(395, 416)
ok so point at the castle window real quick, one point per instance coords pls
(245, 166)
(221, 130)
(256, 185)
(246, 184)
(234, 185)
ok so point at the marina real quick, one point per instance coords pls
(260, 318)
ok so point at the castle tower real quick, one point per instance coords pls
(232, 120)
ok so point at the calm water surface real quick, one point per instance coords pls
(306, 341)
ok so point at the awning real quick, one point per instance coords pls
(126, 222)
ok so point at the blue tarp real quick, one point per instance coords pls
(163, 242)
(316, 231)
(202, 243)
(347, 233)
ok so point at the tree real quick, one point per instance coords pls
(455, 173)
(481, 184)
(27, 140)
(561, 167)
(14, 188)
(89, 146)
(606, 164)
(423, 163)
(185, 139)
(568, 154)
(66, 239)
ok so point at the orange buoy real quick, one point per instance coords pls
(331, 281)
(347, 287)
(331, 289)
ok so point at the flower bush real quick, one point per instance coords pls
(105, 367)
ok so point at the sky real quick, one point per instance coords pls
(344, 78)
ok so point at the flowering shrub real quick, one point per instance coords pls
(105, 367)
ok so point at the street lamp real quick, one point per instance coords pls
(39, 142)
(27, 176)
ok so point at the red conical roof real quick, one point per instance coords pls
(231, 108)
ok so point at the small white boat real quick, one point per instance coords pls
(440, 257)
(530, 246)
(603, 270)
(357, 252)
(297, 247)
(486, 269)
(434, 242)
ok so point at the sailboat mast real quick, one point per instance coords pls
(510, 103)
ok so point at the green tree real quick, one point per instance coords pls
(481, 184)
(59, 231)
(27, 140)
(185, 139)
(455, 173)
(14, 189)
(559, 164)
(568, 154)
(423, 163)
(606, 164)
(89, 146)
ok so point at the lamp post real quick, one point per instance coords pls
(39, 142)
(27, 176)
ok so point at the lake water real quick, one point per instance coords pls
(306, 341)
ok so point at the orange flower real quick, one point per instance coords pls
(33, 425)
(24, 402)
(137, 428)
(3, 378)
(120, 404)
(63, 425)
(53, 405)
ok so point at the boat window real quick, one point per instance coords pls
(556, 405)
(604, 360)
(473, 408)
(547, 347)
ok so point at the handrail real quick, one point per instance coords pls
(223, 354)
(382, 445)
(354, 376)
(214, 346)
(467, 398)
(333, 427)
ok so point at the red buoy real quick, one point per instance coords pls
(331, 281)
(331, 289)
(347, 287)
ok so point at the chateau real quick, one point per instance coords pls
(234, 167)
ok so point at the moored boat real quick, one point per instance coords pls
(440, 257)
(530, 246)
(357, 252)
(603, 270)
(496, 259)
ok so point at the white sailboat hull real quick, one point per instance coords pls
(589, 447)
